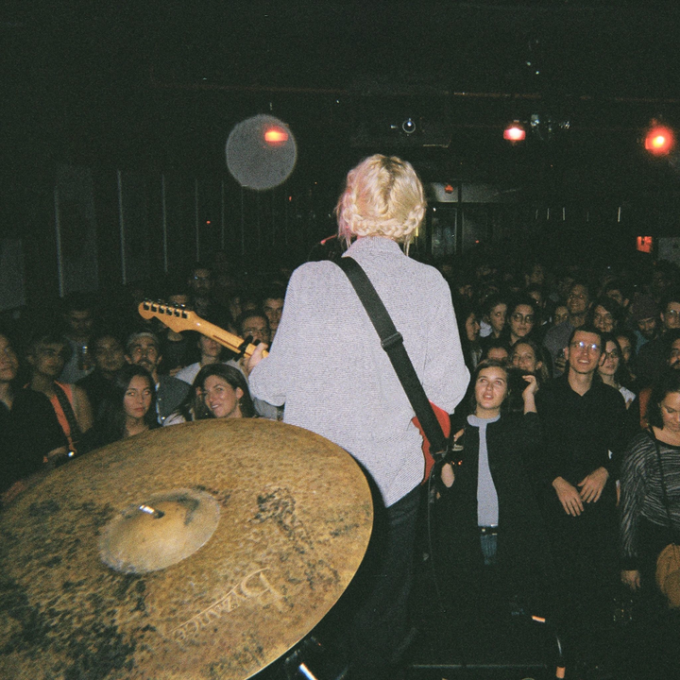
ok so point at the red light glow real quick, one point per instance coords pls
(660, 140)
(275, 136)
(644, 244)
(515, 132)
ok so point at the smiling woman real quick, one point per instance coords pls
(651, 461)
(224, 393)
(489, 517)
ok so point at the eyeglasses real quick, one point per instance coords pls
(674, 313)
(584, 345)
(614, 354)
(519, 318)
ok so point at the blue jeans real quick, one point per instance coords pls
(489, 543)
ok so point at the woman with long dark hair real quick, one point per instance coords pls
(491, 532)
(225, 392)
(129, 410)
(613, 370)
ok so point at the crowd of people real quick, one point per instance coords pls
(570, 423)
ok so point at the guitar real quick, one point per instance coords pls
(178, 319)
(445, 422)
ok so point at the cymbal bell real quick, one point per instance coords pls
(194, 551)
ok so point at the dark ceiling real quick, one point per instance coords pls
(161, 84)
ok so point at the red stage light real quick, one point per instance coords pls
(644, 244)
(515, 132)
(660, 140)
(275, 136)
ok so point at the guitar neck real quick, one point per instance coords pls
(180, 319)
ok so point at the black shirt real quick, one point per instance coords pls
(580, 431)
(28, 432)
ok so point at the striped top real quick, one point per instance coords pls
(641, 492)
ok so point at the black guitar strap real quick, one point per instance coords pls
(393, 343)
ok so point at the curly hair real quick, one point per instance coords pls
(383, 197)
(668, 382)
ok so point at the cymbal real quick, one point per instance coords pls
(204, 550)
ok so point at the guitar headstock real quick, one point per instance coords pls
(176, 317)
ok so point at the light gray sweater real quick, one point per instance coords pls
(328, 367)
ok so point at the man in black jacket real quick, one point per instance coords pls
(586, 431)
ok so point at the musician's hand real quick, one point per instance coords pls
(252, 361)
(448, 477)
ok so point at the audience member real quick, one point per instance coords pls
(560, 315)
(468, 330)
(143, 349)
(128, 410)
(176, 348)
(31, 439)
(651, 462)
(645, 317)
(672, 362)
(225, 392)
(612, 369)
(527, 356)
(496, 350)
(651, 358)
(494, 317)
(605, 315)
(583, 421)
(109, 357)
(211, 352)
(78, 319)
(47, 353)
(556, 339)
(272, 305)
(521, 319)
(492, 540)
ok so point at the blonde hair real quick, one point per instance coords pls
(383, 197)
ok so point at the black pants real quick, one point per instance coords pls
(586, 560)
(372, 617)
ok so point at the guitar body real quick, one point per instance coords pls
(445, 422)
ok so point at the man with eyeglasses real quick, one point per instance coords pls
(651, 359)
(586, 431)
(578, 304)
